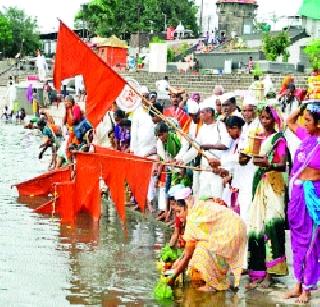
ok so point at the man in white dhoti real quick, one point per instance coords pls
(193, 109)
(11, 96)
(143, 142)
(42, 66)
(243, 175)
(214, 141)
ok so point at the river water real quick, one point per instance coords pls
(43, 263)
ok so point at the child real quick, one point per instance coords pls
(119, 115)
(125, 133)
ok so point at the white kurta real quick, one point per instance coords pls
(243, 175)
(210, 184)
(185, 145)
(11, 96)
(142, 141)
(105, 126)
(42, 67)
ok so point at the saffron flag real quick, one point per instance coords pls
(46, 208)
(65, 203)
(74, 57)
(116, 169)
(137, 173)
(43, 184)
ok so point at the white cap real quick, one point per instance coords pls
(218, 90)
(229, 95)
(143, 90)
(193, 107)
(224, 97)
(207, 103)
(182, 193)
(249, 100)
(174, 189)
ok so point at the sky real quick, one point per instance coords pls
(47, 11)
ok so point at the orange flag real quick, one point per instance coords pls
(65, 203)
(43, 184)
(137, 173)
(74, 57)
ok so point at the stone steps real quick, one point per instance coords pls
(206, 83)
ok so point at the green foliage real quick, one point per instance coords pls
(182, 49)
(257, 70)
(313, 53)
(171, 54)
(274, 46)
(106, 17)
(157, 40)
(17, 30)
(6, 36)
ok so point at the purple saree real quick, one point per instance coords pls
(305, 234)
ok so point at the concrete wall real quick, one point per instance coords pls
(312, 27)
(215, 60)
(232, 17)
(254, 43)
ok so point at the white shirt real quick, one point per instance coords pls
(162, 85)
(102, 130)
(143, 141)
(42, 63)
(212, 134)
(185, 145)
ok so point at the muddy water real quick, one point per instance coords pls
(45, 264)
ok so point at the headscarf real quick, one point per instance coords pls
(276, 117)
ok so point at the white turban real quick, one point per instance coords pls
(207, 103)
(182, 193)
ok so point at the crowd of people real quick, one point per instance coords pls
(227, 177)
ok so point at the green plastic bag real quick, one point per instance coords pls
(162, 291)
(169, 254)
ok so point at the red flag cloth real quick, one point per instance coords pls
(43, 184)
(88, 195)
(65, 202)
(116, 168)
(137, 173)
(89, 168)
(46, 208)
(74, 57)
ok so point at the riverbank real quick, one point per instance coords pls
(89, 264)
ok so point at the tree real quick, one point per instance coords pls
(6, 36)
(18, 32)
(106, 17)
(276, 45)
(313, 53)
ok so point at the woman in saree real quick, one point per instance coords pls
(303, 211)
(266, 243)
(215, 243)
